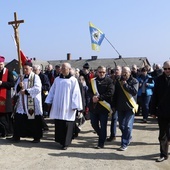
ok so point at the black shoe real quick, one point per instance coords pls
(14, 139)
(2, 135)
(75, 135)
(64, 147)
(110, 139)
(45, 130)
(161, 159)
(99, 146)
(144, 121)
(36, 141)
(8, 134)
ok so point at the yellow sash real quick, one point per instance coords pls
(95, 91)
(131, 99)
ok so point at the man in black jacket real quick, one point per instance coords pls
(100, 91)
(160, 107)
(113, 126)
(124, 101)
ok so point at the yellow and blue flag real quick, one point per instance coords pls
(97, 37)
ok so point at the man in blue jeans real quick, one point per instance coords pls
(124, 101)
(101, 90)
(113, 127)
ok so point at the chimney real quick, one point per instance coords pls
(80, 58)
(94, 57)
(68, 56)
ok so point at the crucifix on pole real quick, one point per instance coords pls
(15, 25)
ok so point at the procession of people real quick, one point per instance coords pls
(62, 95)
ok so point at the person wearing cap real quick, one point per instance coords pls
(85, 72)
(6, 83)
(28, 116)
(57, 71)
(88, 75)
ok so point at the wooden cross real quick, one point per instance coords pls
(15, 25)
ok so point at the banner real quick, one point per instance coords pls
(97, 37)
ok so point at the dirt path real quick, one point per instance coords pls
(82, 155)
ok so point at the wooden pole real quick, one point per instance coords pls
(15, 25)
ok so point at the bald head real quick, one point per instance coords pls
(166, 64)
(166, 67)
(65, 68)
(126, 69)
(126, 72)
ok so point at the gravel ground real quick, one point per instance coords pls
(47, 155)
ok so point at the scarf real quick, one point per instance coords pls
(105, 104)
(30, 100)
(130, 99)
(3, 91)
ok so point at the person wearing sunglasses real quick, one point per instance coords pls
(160, 108)
(100, 91)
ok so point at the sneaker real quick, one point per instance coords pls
(161, 159)
(122, 148)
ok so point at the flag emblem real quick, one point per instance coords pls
(97, 37)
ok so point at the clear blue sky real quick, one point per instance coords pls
(53, 28)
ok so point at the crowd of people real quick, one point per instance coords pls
(70, 96)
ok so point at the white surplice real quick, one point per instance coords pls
(35, 93)
(64, 96)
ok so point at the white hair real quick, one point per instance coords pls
(37, 67)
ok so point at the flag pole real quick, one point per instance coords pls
(112, 46)
(120, 57)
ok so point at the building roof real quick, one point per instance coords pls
(94, 62)
(14, 64)
(107, 62)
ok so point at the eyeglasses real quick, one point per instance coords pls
(102, 72)
(166, 68)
